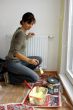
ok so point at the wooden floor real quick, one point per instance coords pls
(66, 105)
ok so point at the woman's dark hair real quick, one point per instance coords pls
(28, 17)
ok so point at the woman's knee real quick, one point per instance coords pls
(35, 79)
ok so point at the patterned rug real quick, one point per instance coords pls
(16, 107)
(52, 98)
(16, 97)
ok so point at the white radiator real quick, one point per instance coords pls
(38, 46)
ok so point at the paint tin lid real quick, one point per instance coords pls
(53, 80)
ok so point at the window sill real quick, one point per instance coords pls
(67, 85)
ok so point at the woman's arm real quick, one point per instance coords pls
(18, 42)
(29, 35)
(24, 58)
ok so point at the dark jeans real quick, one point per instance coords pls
(20, 71)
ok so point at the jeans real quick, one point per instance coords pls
(20, 70)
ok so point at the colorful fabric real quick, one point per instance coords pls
(16, 107)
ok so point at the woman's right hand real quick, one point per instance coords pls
(33, 61)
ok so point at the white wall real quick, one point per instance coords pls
(47, 13)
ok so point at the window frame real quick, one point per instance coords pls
(68, 72)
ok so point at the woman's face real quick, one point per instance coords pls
(27, 26)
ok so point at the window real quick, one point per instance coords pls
(66, 71)
(70, 44)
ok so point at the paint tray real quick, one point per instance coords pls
(37, 96)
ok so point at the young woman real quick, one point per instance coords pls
(21, 67)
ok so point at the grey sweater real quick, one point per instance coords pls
(18, 44)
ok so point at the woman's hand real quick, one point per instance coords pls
(31, 34)
(33, 61)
